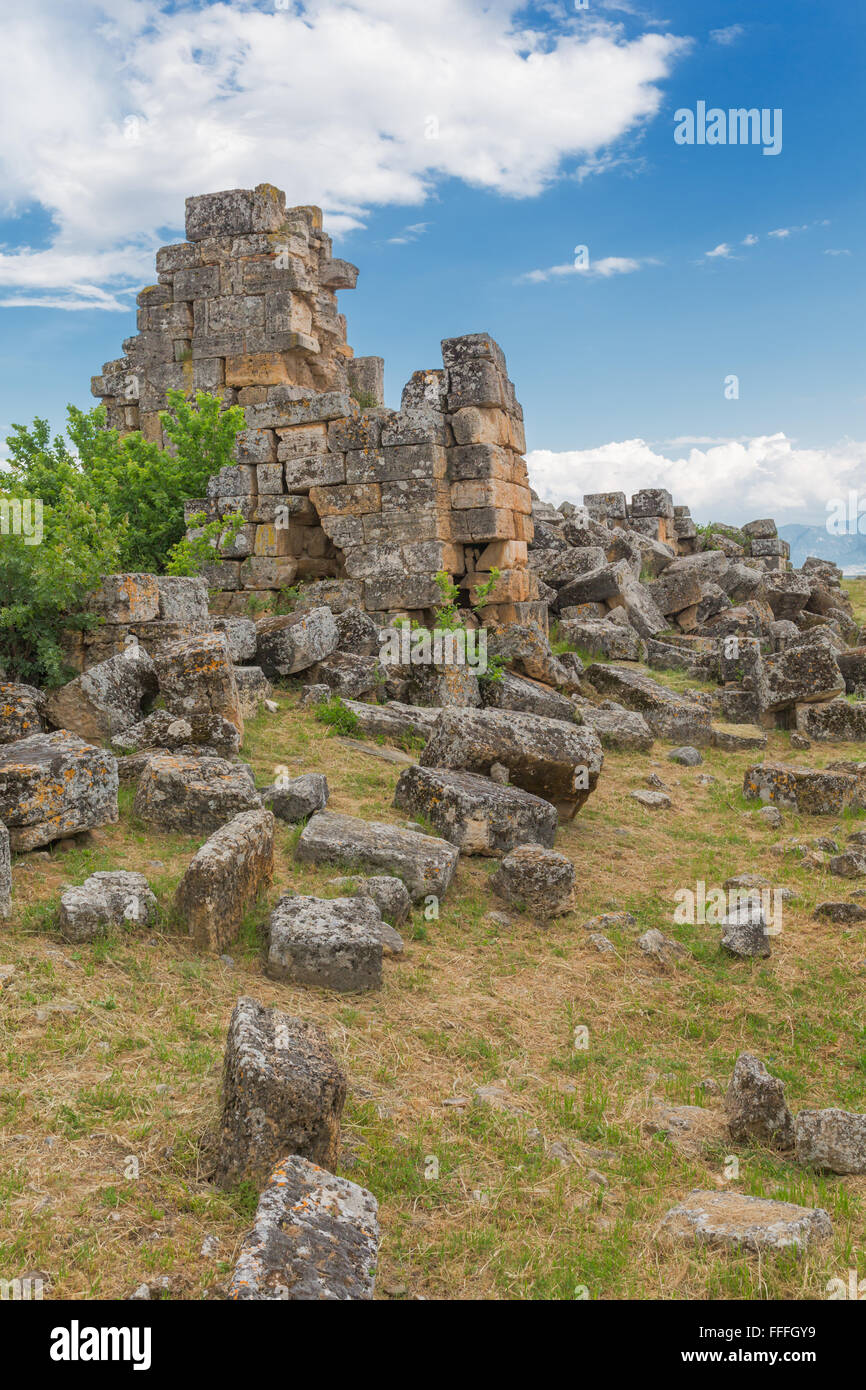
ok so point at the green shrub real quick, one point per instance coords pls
(335, 714)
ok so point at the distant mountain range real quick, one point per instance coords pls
(847, 551)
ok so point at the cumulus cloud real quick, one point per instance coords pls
(602, 269)
(723, 250)
(728, 35)
(730, 480)
(121, 110)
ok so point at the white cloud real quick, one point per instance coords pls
(842, 252)
(750, 240)
(602, 269)
(121, 111)
(728, 35)
(723, 250)
(733, 480)
(410, 233)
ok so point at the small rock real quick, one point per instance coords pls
(686, 756)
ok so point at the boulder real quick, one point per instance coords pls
(615, 641)
(733, 737)
(686, 756)
(667, 714)
(801, 675)
(732, 1221)
(126, 598)
(425, 864)
(347, 674)
(557, 761)
(357, 633)
(526, 696)
(394, 720)
(21, 711)
(744, 930)
(182, 598)
(388, 893)
(807, 790)
(831, 1139)
(526, 649)
(653, 800)
(755, 1105)
(535, 878)
(241, 637)
(194, 734)
(114, 898)
(54, 785)
(330, 943)
(478, 815)
(295, 798)
(226, 876)
(837, 721)
(283, 1092)
(106, 699)
(295, 642)
(253, 689)
(315, 1238)
(193, 794)
(787, 594)
(196, 676)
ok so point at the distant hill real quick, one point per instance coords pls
(847, 551)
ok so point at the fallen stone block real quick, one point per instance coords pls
(755, 1105)
(126, 598)
(241, 638)
(744, 931)
(557, 761)
(5, 873)
(329, 943)
(526, 696)
(733, 1221)
(295, 642)
(538, 879)
(182, 598)
(617, 727)
(348, 674)
(394, 720)
(253, 689)
(837, 721)
(193, 794)
(282, 1092)
(654, 801)
(315, 1238)
(616, 641)
(668, 715)
(831, 1139)
(425, 864)
(113, 898)
(232, 868)
(196, 676)
(295, 798)
(21, 711)
(194, 734)
(54, 785)
(733, 737)
(800, 675)
(840, 912)
(478, 815)
(809, 791)
(106, 699)
(388, 893)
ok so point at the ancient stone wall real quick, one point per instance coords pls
(329, 483)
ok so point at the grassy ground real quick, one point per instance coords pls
(110, 1057)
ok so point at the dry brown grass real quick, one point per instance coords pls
(135, 1070)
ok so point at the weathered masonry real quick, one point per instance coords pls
(330, 483)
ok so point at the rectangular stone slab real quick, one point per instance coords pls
(476, 814)
(425, 864)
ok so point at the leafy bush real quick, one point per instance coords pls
(108, 503)
(335, 714)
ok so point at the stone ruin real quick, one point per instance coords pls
(330, 483)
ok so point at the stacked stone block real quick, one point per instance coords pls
(327, 485)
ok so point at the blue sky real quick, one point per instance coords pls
(555, 131)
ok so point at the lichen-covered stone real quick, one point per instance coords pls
(292, 643)
(669, 715)
(537, 879)
(388, 893)
(527, 696)
(315, 1238)
(232, 868)
(755, 1105)
(283, 1092)
(195, 734)
(475, 813)
(196, 676)
(330, 943)
(112, 898)
(295, 798)
(253, 689)
(733, 1221)
(177, 792)
(54, 785)
(807, 790)
(21, 711)
(832, 1139)
(744, 931)
(557, 761)
(424, 863)
(5, 873)
(106, 699)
